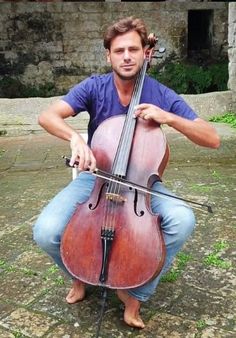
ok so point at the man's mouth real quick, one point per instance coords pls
(129, 66)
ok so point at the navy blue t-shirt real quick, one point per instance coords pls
(98, 96)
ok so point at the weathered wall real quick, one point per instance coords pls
(20, 116)
(61, 43)
(232, 50)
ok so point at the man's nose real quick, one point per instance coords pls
(126, 55)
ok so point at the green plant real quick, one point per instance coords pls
(229, 118)
(187, 78)
(221, 245)
(59, 280)
(173, 76)
(6, 267)
(18, 334)
(214, 257)
(201, 324)
(201, 188)
(171, 276)
(53, 269)
(219, 75)
(29, 272)
(199, 80)
(216, 175)
(51, 274)
(181, 261)
(2, 263)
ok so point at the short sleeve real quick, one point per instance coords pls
(79, 96)
(174, 103)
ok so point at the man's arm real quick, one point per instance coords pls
(198, 131)
(53, 120)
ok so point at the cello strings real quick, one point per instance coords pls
(126, 139)
(115, 187)
(127, 136)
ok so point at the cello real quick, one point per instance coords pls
(113, 239)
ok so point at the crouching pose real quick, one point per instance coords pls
(105, 96)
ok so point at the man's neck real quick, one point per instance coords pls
(124, 87)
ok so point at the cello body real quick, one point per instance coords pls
(137, 250)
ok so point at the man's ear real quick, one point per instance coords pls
(108, 56)
(145, 51)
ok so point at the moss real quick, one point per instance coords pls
(13, 88)
(229, 118)
(3, 132)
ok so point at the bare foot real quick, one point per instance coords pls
(132, 306)
(76, 293)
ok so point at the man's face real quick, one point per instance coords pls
(126, 55)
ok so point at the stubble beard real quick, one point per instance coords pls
(126, 77)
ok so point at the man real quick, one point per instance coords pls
(104, 96)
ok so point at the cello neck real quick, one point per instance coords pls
(120, 164)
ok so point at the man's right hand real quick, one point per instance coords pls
(81, 153)
(53, 120)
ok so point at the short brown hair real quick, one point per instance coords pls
(124, 26)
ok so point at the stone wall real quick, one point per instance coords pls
(20, 116)
(232, 50)
(57, 44)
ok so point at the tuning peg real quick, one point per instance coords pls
(160, 50)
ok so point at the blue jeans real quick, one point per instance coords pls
(177, 223)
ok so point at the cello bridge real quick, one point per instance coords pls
(115, 197)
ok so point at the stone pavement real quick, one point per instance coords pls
(196, 299)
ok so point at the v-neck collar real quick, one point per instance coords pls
(124, 107)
